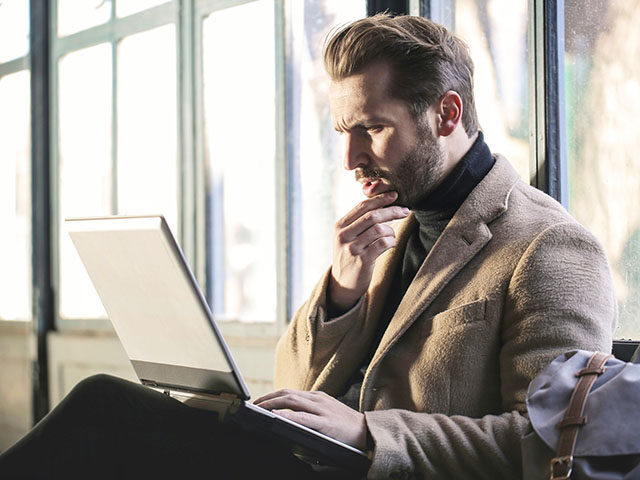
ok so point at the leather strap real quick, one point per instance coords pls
(569, 426)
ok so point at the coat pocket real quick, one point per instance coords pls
(461, 315)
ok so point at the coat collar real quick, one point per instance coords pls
(465, 235)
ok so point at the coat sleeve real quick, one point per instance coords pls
(560, 297)
(304, 353)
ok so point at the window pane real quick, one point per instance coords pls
(85, 165)
(147, 125)
(602, 85)
(496, 33)
(239, 97)
(14, 29)
(76, 15)
(322, 190)
(130, 7)
(15, 197)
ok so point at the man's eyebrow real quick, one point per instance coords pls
(367, 122)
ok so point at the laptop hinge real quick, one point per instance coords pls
(224, 403)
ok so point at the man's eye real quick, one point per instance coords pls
(374, 129)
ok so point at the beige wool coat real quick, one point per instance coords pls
(512, 282)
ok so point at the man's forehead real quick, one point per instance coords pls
(360, 92)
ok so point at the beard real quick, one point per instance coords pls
(418, 173)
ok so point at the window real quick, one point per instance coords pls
(600, 76)
(15, 162)
(240, 159)
(602, 45)
(496, 32)
(201, 109)
(84, 165)
(115, 126)
(322, 192)
(16, 277)
(247, 165)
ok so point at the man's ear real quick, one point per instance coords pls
(449, 113)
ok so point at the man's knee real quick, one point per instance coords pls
(96, 387)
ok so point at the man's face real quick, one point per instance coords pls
(387, 147)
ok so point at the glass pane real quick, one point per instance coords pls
(14, 29)
(128, 7)
(239, 102)
(602, 84)
(147, 125)
(76, 15)
(322, 190)
(85, 165)
(15, 197)
(496, 33)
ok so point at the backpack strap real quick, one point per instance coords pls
(569, 426)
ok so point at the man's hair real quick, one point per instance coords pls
(426, 60)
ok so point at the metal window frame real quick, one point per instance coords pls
(395, 7)
(14, 66)
(41, 211)
(547, 121)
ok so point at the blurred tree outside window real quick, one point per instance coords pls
(496, 33)
(602, 48)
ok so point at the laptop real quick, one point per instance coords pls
(168, 332)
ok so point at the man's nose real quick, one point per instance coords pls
(355, 152)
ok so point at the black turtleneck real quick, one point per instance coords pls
(433, 214)
(436, 210)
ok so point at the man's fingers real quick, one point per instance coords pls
(369, 219)
(314, 395)
(292, 400)
(367, 205)
(369, 236)
(377, 248)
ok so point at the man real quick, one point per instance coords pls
(432, 335)
(416, 346)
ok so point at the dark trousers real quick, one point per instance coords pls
(111, 428)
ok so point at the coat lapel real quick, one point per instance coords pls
(465, 235)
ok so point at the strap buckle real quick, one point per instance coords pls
(564, 463)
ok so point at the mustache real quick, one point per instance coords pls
(366, 172)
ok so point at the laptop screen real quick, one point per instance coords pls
(153, 301)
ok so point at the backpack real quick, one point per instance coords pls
(584, 410)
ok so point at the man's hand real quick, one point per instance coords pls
(321, 412)
(359, 238)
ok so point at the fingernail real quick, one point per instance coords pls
(406, 211)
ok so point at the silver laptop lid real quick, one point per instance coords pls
(155, 304)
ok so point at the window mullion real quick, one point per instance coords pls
(190, 198)
(43, 300)
(550, 172)
(283, 184)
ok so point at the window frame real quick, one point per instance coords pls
(112, 32)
